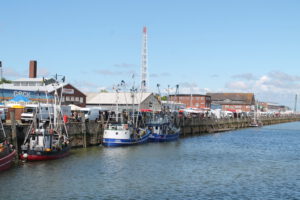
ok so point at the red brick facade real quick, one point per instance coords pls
(194, 101)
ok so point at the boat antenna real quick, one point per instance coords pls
(295, 108)
(2, 82)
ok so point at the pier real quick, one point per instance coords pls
(84, 134)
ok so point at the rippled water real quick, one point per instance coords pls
(256, 163)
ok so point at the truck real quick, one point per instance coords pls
(43, 112)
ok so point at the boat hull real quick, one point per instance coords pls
(163, 137)
(6, 161)
(44, 155)
(111, 142)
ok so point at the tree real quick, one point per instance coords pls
(164, 98)
(4, 80)
(103, 91)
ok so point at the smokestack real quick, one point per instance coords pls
(32, 69)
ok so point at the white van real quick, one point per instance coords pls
(44, 113)
(90, 113)
(2, 114)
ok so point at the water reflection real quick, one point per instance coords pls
(258, 163)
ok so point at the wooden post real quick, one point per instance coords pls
(83, 129)
(14, 132)
(102, 127)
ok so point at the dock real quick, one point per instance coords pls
(84, 134)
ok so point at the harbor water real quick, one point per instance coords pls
(253, 163)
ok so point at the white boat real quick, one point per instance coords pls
(124, 134)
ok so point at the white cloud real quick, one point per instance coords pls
(125, 65)
(237, 85)
(275, 86)
(246, 76)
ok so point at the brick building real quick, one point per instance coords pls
(192, 100)
(233, 101)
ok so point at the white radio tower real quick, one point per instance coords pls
(144, 66)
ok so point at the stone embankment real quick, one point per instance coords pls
(83, 134)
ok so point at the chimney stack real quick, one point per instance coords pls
(32, 69)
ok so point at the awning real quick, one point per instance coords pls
(20, 98)
(146, 110)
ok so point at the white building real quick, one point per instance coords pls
(124, 100)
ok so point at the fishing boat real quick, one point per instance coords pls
(46, 139)
(121, 133)
(7, 151)
(163, 129)
(255, 121)
(161, 125)
(44, 143)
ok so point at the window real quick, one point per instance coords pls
(81, 99)
(67, 98)
(72, 98)
(76, 98)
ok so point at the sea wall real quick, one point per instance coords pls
(83, 134)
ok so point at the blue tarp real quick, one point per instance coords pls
(20, 98)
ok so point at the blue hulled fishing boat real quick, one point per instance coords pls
(162, 129)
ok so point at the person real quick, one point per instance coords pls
(75, 115)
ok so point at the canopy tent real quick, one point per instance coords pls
(17, 106)
(74, 107)
(20, 98)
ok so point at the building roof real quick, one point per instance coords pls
(233, 98)
(110, 98)
(48, 88)
(199, 95)
(29, 80)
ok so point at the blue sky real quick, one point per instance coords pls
(216, 46)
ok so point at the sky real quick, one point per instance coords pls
(204, 46)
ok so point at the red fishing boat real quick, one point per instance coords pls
(47, 139)
(7, 154)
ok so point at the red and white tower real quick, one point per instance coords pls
(144, 65)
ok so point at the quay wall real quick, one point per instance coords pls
(83, 134)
